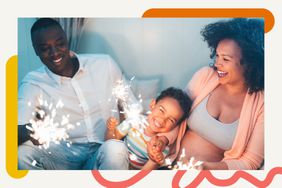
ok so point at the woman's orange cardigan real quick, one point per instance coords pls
(247, 151)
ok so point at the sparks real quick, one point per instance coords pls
(132, 157)
(43, 125)
(34, 163)
(182, 163)
(121, 90)
(131, 110)
(134, 117)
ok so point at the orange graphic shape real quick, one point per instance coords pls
(213, 13)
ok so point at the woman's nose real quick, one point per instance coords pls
(217, 62)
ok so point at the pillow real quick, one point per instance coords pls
(147, 89)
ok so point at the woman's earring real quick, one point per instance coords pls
(212, 65)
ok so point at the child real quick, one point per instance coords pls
(168, 110)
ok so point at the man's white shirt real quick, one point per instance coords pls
(87, 97)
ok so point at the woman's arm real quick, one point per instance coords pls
(198, 81)
(214, 166)
(253, 155)
(170, 136)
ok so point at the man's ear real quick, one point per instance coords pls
(152, 104)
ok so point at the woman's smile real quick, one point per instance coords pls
(221, 73)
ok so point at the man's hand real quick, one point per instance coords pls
(155, 148)
(112, 123)
(24, 135)
(35, 141)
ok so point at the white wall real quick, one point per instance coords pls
(171, 49)
(27, 59)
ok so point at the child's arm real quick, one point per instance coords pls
(111, 132)
(150, 165)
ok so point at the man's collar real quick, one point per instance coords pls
(55, 77)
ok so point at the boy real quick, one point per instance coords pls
(168, 110)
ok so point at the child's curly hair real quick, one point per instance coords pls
(183, 100)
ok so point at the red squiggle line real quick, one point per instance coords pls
(226, 182)
(121, 184)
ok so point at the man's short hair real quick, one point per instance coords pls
(43, 23)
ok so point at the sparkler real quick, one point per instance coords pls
(44, 127)
(34, 162)
(132, 110)
(182, 163)
(121, 91)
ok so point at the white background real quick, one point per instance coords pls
(11, 10)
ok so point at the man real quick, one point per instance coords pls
(83, 83)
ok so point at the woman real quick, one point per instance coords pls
(226, 123)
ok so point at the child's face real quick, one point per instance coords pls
(164, 115)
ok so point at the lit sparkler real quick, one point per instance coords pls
(131, 110)
(183, 164)
(121, 90)
(134, 117)
(44, 127)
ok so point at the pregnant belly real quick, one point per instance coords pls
(201, 149)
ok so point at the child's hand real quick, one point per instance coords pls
(159, 144)
(158, 148)
(159, 158)
(155, 148)
(112, 123)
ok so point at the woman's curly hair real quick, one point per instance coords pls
(249, 35)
